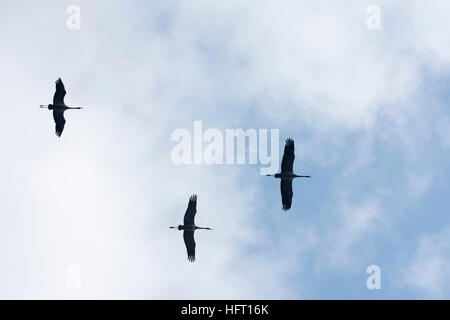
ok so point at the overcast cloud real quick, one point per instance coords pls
(368, 110)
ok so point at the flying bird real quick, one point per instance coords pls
(189, 227)
(59, 107)
(287, 175)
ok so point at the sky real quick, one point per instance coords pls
(87, 215)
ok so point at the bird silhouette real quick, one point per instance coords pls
(59, 107)
(287, 175)
(189, 227)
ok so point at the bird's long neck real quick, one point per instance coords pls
(296, 176)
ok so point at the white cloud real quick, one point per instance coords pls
(351, 225)
(419, 183)
(428, 269)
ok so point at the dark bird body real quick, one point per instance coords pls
(189, 227)
(287, 175)
(59, 107)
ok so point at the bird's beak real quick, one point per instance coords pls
(42, 106)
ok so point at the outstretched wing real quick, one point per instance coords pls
(190, 244)
(286, 194)
(58, 116)
(60, 92)
(189, 216)
(287, 164)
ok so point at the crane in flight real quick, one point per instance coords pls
(287, 175)
(189, 227)
(59, 107)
